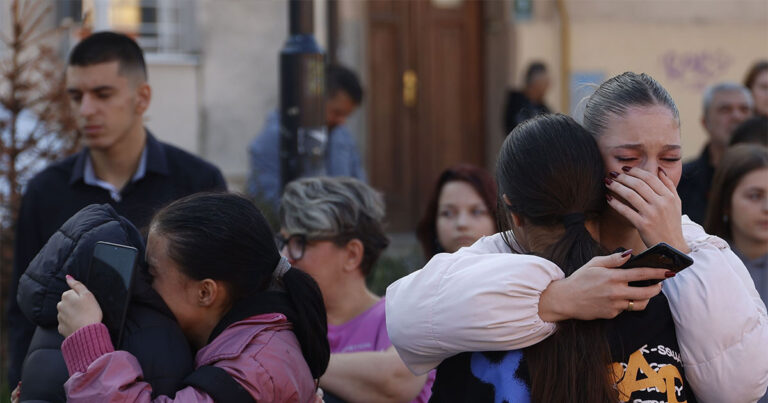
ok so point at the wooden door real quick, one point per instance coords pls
(425, 103)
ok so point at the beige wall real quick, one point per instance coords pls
(241, 41)
(685, 45)
(352, 52)
(173, 112)
(684, 59)
(536, 41)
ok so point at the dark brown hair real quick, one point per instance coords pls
(480, 180)
(754, 71)
(753, 130)
(105, 47)
(737, 162)
(223, 236)
(551, 171)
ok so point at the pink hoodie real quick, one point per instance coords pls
(261, 353)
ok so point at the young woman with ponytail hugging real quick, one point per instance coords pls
(484, 298)
(553, 205)
(257, 324)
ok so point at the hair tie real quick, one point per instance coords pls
(282, 267)
(569, 220)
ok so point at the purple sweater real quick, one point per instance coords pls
(368, 332)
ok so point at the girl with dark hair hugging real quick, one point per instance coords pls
(258, 324)
(489, 297)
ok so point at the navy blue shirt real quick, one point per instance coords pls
(61, 190)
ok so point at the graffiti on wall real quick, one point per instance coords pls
(695, 69)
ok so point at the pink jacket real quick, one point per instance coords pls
(261, 353)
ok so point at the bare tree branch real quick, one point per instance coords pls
(31, 87)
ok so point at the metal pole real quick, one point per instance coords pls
(303, 135)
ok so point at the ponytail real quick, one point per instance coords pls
(573, 364)
(310, 322)
(551, 172)
(225, 237)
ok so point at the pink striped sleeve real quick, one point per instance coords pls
(84, 346)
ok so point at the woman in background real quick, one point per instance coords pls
(757, 83)
(462, 209)
(738, 210)
(332, 229)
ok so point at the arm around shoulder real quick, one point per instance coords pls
(471, 300)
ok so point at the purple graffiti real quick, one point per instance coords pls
(695, 69)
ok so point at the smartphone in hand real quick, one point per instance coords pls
(109, 279)
(660, 256)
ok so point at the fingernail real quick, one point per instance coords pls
(70, 277)
(625, 169)
(607, 181)
(613, 174)
(609, 197)
(662, 171)
(626, 253)
(669, 274)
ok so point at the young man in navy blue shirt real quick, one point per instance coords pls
(122, 163)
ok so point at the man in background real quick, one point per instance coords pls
(725, 106)
(122, 163)
(343, 96)
(523, 105)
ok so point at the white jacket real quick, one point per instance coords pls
(485, 298)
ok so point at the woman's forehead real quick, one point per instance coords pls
(650, 125)
(457, 190)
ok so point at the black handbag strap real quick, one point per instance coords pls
(218, 384)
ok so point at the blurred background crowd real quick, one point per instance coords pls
(422, 95)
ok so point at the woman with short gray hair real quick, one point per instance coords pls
(339, 210)
(332, 228)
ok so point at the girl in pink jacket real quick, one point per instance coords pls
(259, 325)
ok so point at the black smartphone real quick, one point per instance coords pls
(660, 256)
(109, 279)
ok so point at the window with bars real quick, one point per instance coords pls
(159, 26)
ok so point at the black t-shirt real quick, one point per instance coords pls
(643, 346)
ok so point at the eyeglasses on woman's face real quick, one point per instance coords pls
(296, 244)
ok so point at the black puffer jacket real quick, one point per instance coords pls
(151, 332)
